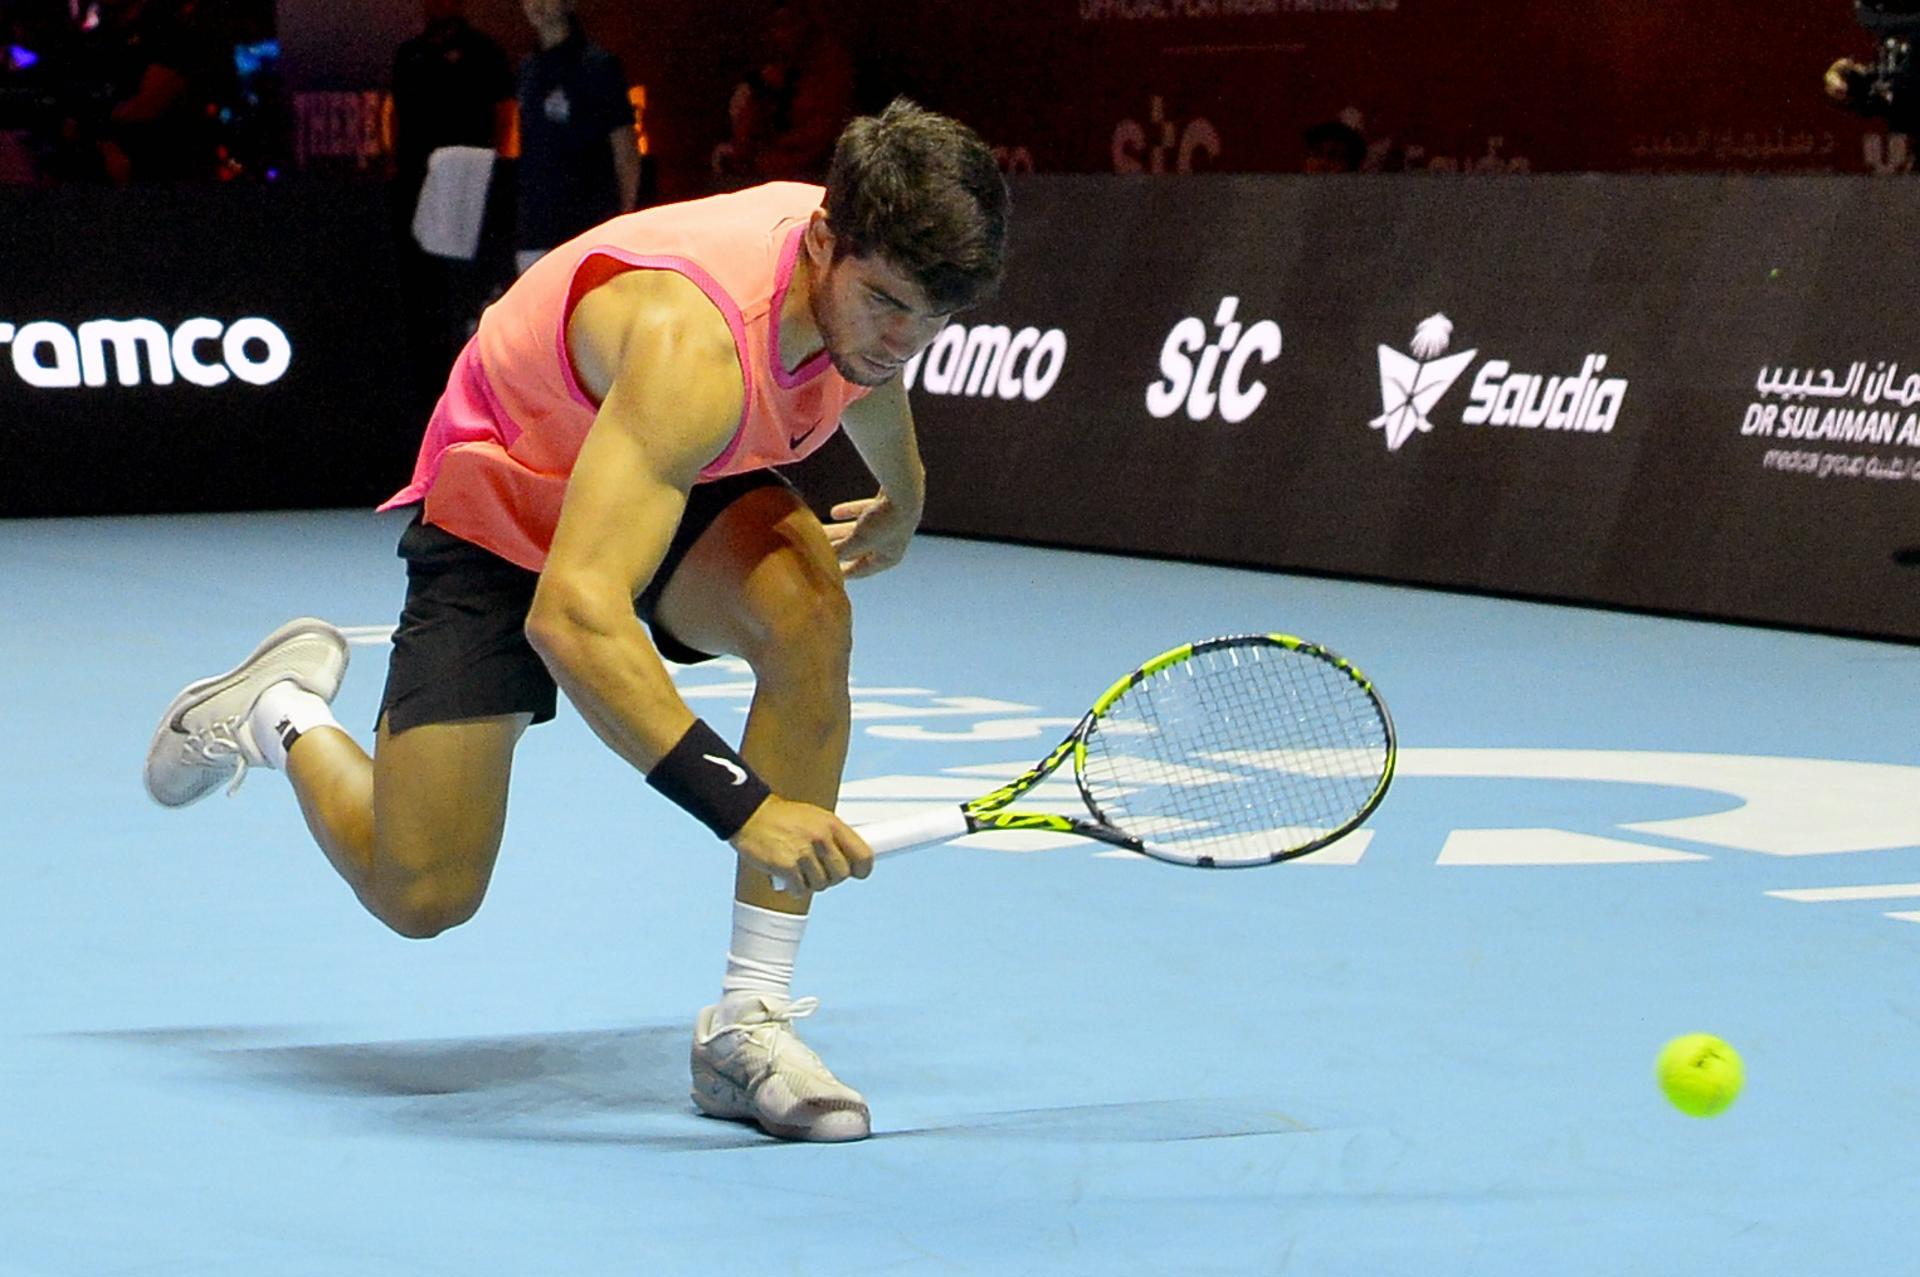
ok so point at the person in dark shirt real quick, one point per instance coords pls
(579, 158)
(452, 86)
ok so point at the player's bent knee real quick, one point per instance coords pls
(420, 896)
(425, 907)
(807, 621)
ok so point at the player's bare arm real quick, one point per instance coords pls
(661, 360)
(873, 532)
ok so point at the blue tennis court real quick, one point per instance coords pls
(1427, 1049)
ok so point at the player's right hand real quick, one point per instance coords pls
(803, 847)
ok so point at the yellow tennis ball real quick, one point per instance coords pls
(1701, 1074)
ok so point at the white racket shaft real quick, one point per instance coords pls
(904, 833)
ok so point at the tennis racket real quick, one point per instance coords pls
(1226, 753)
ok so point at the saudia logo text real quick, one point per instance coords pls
(1411, 386)
(201, 352)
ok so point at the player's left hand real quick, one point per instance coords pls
(871, 535)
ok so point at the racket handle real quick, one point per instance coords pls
(903, 833)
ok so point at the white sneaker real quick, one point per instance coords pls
(203, 738)
(758, 1070)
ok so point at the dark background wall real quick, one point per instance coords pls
(1100, 85)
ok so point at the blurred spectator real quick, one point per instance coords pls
(166, 73)
(1888, 90)
(789, 110)
(579, 157)
(259, 132)
(452, 86)
(1334, 146)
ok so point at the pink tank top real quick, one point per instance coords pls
(500, 446)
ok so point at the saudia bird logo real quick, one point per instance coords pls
(1410, 387)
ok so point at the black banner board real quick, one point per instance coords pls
(1687, 394)
(199, 348)
(1697, 395)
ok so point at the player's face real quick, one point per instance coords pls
(872, 318)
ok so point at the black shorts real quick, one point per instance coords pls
(461, 648)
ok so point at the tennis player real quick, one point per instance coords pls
(602, 457)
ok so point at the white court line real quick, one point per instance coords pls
(1882, 891)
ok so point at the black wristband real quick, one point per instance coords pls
(703, 776)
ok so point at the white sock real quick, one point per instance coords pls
(760, 959)
(283, 712)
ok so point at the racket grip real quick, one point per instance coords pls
(903, 833)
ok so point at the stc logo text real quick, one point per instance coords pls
(1206, 376)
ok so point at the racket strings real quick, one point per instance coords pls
(1239, 754)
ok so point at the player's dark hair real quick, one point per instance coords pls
(922, 191)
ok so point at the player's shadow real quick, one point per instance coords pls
(620, 1086)
(623, 1086)
(1128, 1122)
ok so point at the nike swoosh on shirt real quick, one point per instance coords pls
(794, 441)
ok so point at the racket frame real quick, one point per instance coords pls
(994, 810)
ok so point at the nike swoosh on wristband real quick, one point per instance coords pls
(739, 772)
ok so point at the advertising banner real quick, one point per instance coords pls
(1695, 395)
(1691, 395)
(198, 349)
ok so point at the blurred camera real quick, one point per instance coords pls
(1885, 85)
